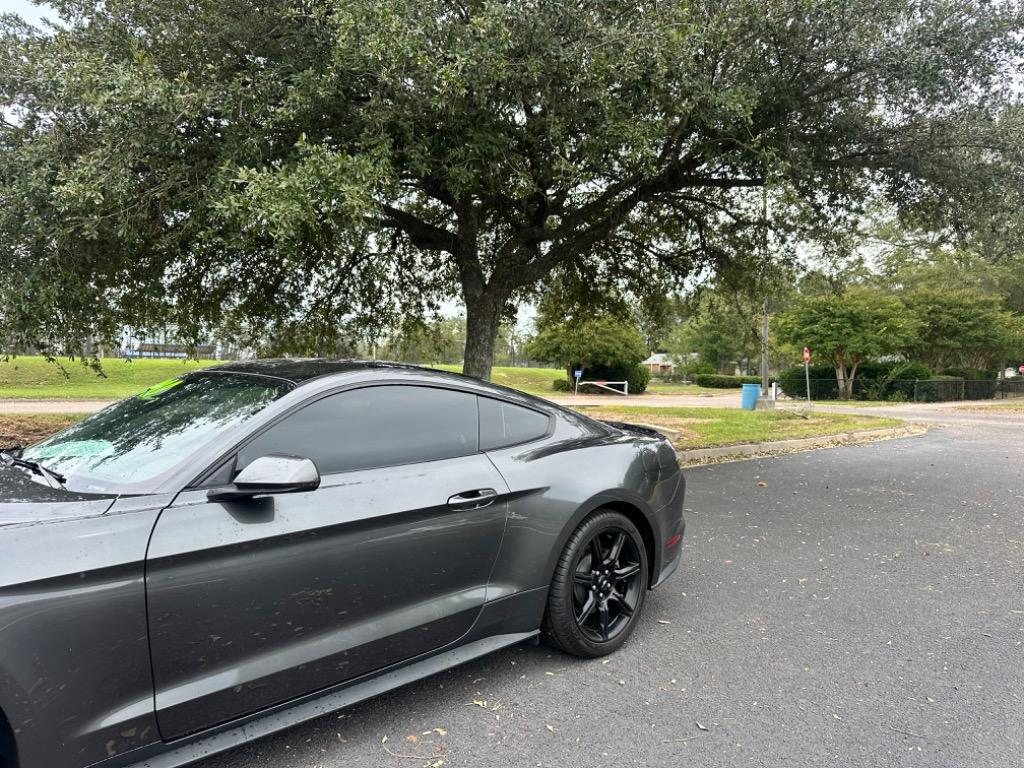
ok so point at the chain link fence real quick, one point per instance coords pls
(936, 390)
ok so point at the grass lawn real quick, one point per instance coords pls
(536, 381)
(705, 427)
(35, 378)
(25, 429)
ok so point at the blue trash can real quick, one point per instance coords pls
(750, 394)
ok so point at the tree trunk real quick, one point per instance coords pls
(849, 381)
(483, 316)
(485, 300)
(841, 381)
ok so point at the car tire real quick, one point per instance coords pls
(591, 611)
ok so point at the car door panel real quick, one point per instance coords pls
(255, 603)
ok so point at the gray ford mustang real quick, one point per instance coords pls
(247, 547)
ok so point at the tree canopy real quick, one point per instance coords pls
(960, 328)
(288, 164)
(847, 329)
(598, 342)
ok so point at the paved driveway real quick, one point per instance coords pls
(863, 607)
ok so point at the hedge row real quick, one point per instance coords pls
(874, 381)
(717, 381)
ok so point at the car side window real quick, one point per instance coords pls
(503, 424)
(374, 427)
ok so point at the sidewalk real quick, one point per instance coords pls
(53, 406)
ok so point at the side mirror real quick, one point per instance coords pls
(269, 475)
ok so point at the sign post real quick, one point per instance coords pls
(577, 374)
(807, 372)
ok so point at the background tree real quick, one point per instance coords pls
(958, 328)
(718, 334)
(846, 329)
(192, 161)
(603, 347)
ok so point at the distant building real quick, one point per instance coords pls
(152, 349)
(659, 364)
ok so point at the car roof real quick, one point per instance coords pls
(298, 370)
(302, 370)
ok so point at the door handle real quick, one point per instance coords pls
(481, 497)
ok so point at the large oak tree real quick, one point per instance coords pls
(312, 162)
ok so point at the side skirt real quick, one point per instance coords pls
(293, 713)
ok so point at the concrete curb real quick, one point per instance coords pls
(694, 456)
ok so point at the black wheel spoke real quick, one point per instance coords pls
(624, 607)
(596, 557)
(627, 571)
(588, 609)
(616, 550)
(583, 578)
(603, 620)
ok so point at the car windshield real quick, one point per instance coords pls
(137, 439)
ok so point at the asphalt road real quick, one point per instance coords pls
(859, 606)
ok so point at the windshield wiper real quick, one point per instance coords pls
(33, 466)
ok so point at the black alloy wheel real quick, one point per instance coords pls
(599, 586)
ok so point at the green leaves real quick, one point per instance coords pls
(336, 164)
(589, 342)
(848, 328)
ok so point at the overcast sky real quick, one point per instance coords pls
(28, 11)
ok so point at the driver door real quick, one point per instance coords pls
(253, 603)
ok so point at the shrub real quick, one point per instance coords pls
(888, 381)
(638, 376)
(978, 384)
(939, 389)
(560, 385)
(698, 367)
(970, 374)
(823, 382)
(639, 379)
(874, 381)
(717, 381)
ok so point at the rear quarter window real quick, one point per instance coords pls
(503, 424)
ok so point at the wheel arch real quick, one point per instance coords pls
(632, 509)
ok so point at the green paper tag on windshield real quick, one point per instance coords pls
(157, 389)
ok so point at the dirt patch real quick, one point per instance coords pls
(997, 408)
(675, 424)
(26, 430)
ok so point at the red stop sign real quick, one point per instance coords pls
(807, 357)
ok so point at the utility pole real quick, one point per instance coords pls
(764, 346)
(764, 401)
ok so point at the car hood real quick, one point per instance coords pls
(22, 500)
